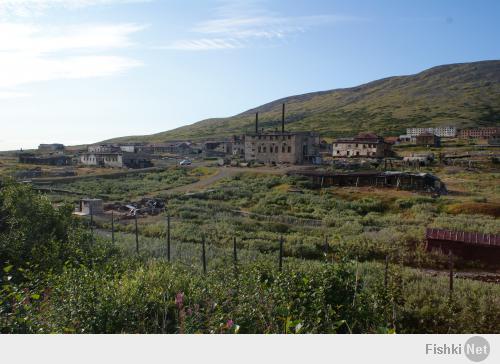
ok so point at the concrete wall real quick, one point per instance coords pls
(292, 148)
(95, 205)
(102, 160)
(360, 149)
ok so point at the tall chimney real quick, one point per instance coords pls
(256, 123)
(283, 119)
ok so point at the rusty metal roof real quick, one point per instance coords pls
(463, 237)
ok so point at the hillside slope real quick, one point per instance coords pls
(465, 95)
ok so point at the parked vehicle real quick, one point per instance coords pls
(185, 162)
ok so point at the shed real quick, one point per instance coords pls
(91, 205)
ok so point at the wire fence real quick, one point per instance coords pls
(204, 252)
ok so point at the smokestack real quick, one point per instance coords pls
(283, 119)
(256, 123)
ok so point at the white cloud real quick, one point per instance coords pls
(13, 95)
(30, 38)
(26, 8)
(29, 68)
(31, 53)
(204, 44)
(238, 24)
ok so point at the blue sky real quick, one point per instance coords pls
(80, 71)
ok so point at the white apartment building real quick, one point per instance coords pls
(440, 131)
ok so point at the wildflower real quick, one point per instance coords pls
(179, 299)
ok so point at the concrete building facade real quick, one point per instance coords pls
(428, 140)
(478, 133)
(54, 147)
(440, 131)
(364, 145)
(494, 139)
(282, 147)
(103, 148)
(89, 206)
(116, 160)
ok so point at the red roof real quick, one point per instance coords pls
(463, 237)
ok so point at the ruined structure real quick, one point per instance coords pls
(494, 139)
(428, 140)
(472, 246)
(402, 180)
(441, 131)
(50, 160)
(54, 147)
(363, 145)
(116, 160)
(217, 149)
(88, 206)
(478, 133)
(103, 148)
(281, 146)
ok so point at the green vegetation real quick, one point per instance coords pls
(258, 209)
(464, 95)
(133, 186)
(57, 277)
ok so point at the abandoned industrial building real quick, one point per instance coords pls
(50, 160)
(116, 160)
(54, 147)
(363, 145)
(215, 149)
(494, 139)
(428, 140)
(406, 181)
(478, 133)
(103, 148)
(90, 206)
(281, 146)
(440, 131)
(182, 148)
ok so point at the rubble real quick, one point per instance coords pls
(146, 206)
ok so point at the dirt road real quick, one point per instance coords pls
(224, 172)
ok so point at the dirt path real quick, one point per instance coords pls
(224, 172)
(205, 182)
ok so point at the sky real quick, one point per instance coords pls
(81, 71)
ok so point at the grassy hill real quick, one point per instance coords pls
(465, 95)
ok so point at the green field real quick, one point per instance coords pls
(60, 276)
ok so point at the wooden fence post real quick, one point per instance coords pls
(281, 253)
(112, 227)
(203, 255)
(168, 237)
(450, 262)
(91, 222)
(325, 247)
(235, 253)
(386, 272)
(136, 235)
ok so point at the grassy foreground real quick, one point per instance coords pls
(57, 278)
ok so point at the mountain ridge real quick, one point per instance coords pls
(461, 94)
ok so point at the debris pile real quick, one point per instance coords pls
(146, 206)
